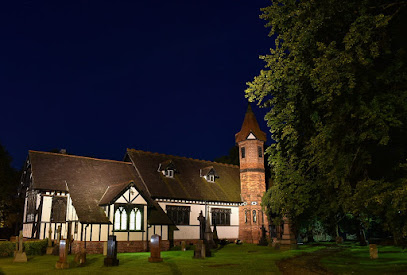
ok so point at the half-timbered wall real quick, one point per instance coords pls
(90, 232)
(191, 231)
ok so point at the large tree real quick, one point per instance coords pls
(335, 83)
(10, 205)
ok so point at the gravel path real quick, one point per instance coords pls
(307, 263)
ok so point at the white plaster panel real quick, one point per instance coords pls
(136, 236)
(227, 232)
(46, 209)
(121, 236)
(121, 200)
(103, 233)
(186, 232)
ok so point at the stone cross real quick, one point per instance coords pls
(201, 220)
(20, 256)
(58, 234)
(49, 237)
(155, 249)
(263, 240)
(20, 242)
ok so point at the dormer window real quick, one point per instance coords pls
(167, 168)
(209, 174)
(210, 178)
(169, 173)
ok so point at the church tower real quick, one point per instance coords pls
(251, 141)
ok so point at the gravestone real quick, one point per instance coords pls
(374, 252)
(199, 251)
(183, 246)
(201, 220)
(19, 255)
(80, 257)
(49, 247)
(263, 240)
(275, 244)
(62, 263)
(339, 240)
(104, 248)
(155, 249)
(55, 250)
(111, 258)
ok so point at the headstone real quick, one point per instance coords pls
(49, 247)
(339, 240)
(80, 257)
(20, 256)
(263, 240)
(104, 248)
(111, 258)
(63, 254)
(374, 252)
(201, 220)
(183, 246)
(55, 250)
(199, 252)
(155, 249)
(275, 244)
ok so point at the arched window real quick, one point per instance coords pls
(138, 220)
(117, 218)
(254, 216)
(245, 216)
(128, 217)
(132, 221)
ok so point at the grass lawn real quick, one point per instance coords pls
(246, 258)
(355, 259)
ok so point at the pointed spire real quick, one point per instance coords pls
(250, 125)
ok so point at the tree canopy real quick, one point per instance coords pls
(10, 205)
(336, 87)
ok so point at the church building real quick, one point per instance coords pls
(145, 194)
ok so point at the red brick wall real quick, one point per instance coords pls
(122, 246)
(253, 186)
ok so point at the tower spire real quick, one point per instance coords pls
(250, 125)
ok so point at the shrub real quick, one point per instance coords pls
(7, 249)
(36, 247)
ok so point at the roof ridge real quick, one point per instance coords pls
(76, 156)
(181, 157)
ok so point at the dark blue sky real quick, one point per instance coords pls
(97, 77)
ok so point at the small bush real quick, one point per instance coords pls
(7, 249)
(36, 247)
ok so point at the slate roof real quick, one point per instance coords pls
(87, 179)
(187, 183)
(250, 125)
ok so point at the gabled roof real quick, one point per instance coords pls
(86, 180)
(250, 125)
(187, 184)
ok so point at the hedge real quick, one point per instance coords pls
(7, 249)
(30, 247)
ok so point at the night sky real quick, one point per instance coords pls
(97, 77)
